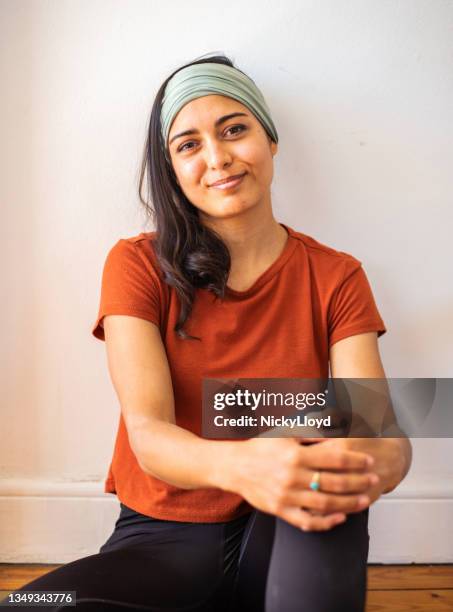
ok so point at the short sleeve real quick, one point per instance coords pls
(128, 287)
(353, 309)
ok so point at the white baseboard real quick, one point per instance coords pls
(58, 522)
(53, 522)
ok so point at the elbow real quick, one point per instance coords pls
(408, 455)
(405, 448)
(139, 440)
(145, 464)
(141, 463)
(149, 443)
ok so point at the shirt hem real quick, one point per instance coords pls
(182, 517)
(98, 330)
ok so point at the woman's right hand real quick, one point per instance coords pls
(274, 475)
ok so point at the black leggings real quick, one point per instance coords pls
(255, 563)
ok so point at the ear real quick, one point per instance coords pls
(274, 148)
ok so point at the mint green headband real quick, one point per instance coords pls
(200, 80)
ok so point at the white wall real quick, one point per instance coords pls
(361, 93)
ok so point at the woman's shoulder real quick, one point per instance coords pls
(319, 250)
(145, 240)
(328, 264)
(136, 252)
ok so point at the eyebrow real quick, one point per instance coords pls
(216, 124)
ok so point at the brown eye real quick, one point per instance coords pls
(242, 128)
(181, 148)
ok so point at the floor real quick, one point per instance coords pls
(391, 588)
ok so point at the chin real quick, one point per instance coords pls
(234, 203)
(230, 209)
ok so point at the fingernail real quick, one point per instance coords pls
(370, 461)
(374, 479)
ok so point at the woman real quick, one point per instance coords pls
(221, 289)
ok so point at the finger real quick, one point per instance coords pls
(327, 503)
(319, 456)
(331, 482)
(300, 518)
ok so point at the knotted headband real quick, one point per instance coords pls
(203, 79)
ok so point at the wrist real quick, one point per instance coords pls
(223, 473)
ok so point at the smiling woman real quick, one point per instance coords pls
(220, 153)
(208, 160)
(221, 289)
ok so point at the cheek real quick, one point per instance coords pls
(253, 155)
(190, 172)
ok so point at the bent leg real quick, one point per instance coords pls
(107, 581)
(319, 571)
(152, 565)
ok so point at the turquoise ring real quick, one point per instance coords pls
(314, 484)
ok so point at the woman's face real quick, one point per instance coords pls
(236, 145)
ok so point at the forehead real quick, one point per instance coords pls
(204, 111)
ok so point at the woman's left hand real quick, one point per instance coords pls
(388, 458)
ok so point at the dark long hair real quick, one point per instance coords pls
(190, 254)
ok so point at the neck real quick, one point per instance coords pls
(254, 241)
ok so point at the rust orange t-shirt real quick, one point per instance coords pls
(281, 327)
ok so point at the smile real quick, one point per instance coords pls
(230, 185)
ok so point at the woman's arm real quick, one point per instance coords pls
(140, 374)
(273, 475)
(358, 357)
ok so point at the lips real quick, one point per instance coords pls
(228, 179)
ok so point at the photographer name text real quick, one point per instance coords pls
(271, 421)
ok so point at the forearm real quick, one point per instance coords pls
(181, 458)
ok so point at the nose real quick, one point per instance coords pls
(217, 154)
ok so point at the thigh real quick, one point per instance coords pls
(319, 571)
(110, 581)
(154, 565)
